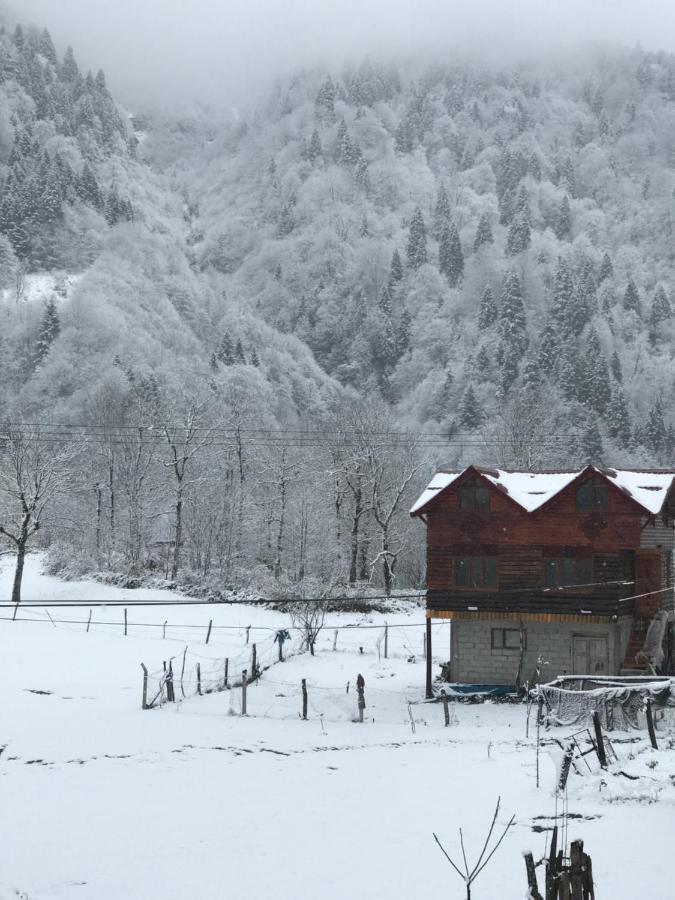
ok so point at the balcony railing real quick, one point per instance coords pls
(528, 602)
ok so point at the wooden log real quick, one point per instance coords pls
(576, 870)
(208, 632)
(532, 878)
(446, 711)
(564, 889)
(590, 890)
(304, 699)
(551, 886)
(227, 666)
(599, 741)
(145, 687)
(650, 724)
(565, 768)
(428, 651)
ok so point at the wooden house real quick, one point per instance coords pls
(559, 570)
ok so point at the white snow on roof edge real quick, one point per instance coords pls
(439, 482)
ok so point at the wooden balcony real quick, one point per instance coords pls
(527, 603)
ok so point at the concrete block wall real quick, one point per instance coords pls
(474, 660)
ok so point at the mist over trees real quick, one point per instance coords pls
(273, 330)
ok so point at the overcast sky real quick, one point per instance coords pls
(228, 51)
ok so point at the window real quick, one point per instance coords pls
(473, 495)
(475, 571)
(568, 572)
(508, 639)
(591, 496)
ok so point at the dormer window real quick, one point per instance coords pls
(592, 496)
(473, 494)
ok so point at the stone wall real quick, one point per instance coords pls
(475, 660)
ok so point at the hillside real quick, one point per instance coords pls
(451, 237)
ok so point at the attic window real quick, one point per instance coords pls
(592, 496)
(473, 495)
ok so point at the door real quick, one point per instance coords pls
(590, 654)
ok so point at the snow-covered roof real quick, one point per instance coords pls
(440, 481)
(531, 490)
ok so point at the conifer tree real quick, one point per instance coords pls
(396, 272)
(519, 236)
(324, 105)
(512, 320)
(441, 214)
(523, 206)
(488, 312)
(470, 410)
(384, 301)
(417, 241)
(483, 232)
(404, 140)
(591, 444)
(46, 47)
(404, 332)
(239, 355)
(615, 366)
(49, 331)
(563, 222)
(618, 420)
(314, 150)
(450, 256)
(631, 297)
(655, 428)
(255, 361)
(563, 298)
(606, 268)
(69, 68)
(483, 363)
(594, 388)
(225, 350)
(548, 349)
(660, 312)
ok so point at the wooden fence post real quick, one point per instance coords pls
(145, 687)
(576, 869)
(227, 666)
(446, 711)
(182, 672)
(243, 692)
(88, 621)
(170, 696)
(335, 634)
(386, 641)
(650, 724)
(164, 631)
(199, 679)
(304, 699)
(532, 878)
(254, 662)
(125, 621)
(599, 742)
(248, 628)
(428, 652)
(208, 633)
(360, 688)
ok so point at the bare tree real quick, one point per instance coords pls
(32, 470)
(308, 616)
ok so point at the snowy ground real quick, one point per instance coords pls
(103, 801)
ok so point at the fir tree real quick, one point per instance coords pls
(88, 189)
(483, 232)
(563, 297)
(404, 141)
(404, 332)
(441, 214)
(606, 268)
(225, 351)
(396, 272)
(655, 428)
(470, 411)
(563, 222)
(450, 256)
(618, 420)
(512, 320)
(324, 105)
(239, 355)
(594, 388)
(417, 241)
(631, 297)
(548, 349)
(488, 312)
(591, 444)
(660, 312)
(519, 236)
(615, 366)
(255, 361)
(384, 301)
(314, 150)
(483, 363)
(49, 331)
(69, 69)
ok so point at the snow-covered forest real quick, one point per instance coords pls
(235, 347)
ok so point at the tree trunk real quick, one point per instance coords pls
(355, 532)
(179, 532)
(386, 565)
(18, 572)
(99, 503)
(111, 491)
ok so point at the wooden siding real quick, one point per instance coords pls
(453, 615)
(521, 542)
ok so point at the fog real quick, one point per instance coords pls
(228, 51)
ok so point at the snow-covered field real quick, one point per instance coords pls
(100, 800)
